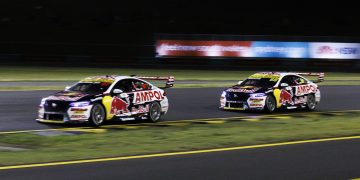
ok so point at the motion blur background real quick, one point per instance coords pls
(112, 33)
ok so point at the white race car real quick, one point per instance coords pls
(101, 98)
(271, 90)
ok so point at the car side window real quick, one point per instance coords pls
(124, 85)
(292, 80)
(286, 79)
(139, 85)
(299, 80)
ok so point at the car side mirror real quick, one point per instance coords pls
(240, 82)
(67, 88)
(284, 85)
(120, 93)
(117, 91)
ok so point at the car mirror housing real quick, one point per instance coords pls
(67, 88)
(240, 82)
(124, 95)
(117, 91)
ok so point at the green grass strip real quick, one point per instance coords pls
(174, 138)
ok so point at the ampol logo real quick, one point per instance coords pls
(305, 89)
(147, 96)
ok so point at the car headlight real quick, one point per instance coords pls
(258, 95)
(80, 104)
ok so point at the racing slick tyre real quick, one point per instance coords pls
(270, 104)
(311, 102)
(154, 112)
(97, 115)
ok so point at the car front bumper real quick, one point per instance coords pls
(73, 114)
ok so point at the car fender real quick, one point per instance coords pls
(106, 102)
(276, 94)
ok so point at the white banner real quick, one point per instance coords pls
(335, 50)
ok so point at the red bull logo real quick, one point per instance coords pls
(286, 97)
(119, 106)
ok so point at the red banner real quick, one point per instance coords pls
(203, 48)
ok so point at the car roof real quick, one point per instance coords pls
(268, 73)
(105, 78)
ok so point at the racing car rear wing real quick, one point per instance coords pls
(169, 80)
(319, 75)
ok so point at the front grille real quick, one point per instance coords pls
(56, 106)
(53, 116)
(235, 96)
(235, 105)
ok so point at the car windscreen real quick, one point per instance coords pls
(93, 87)
(262, 82)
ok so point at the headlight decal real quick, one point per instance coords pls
(258, 95)
(80, 104)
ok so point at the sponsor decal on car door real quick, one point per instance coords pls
(142, 97)
(286, 96)
(305, 89)
(120, 106)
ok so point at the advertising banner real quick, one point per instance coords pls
(257, 49)
(203, 48)
(280, 49)
(335, 50)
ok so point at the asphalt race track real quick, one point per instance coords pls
(326, 160)
(18, 109)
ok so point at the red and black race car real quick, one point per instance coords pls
(271, 90)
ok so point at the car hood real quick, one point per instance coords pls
(70, 96)
(245, 89)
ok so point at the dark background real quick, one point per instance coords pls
(122, 33)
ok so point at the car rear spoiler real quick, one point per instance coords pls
(319, 75)
(169, 80)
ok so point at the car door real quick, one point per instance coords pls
(301, 89)
(121, 101)
(123, 104)
(287, 91)
(294, 93)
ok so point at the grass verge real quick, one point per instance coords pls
(173, 138)
(29, 74)
(75, 74)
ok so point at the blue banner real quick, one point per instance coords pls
(280, 49)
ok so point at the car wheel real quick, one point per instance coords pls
(270, 104)
(154, 112)
(311, 102)
(97, 115)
